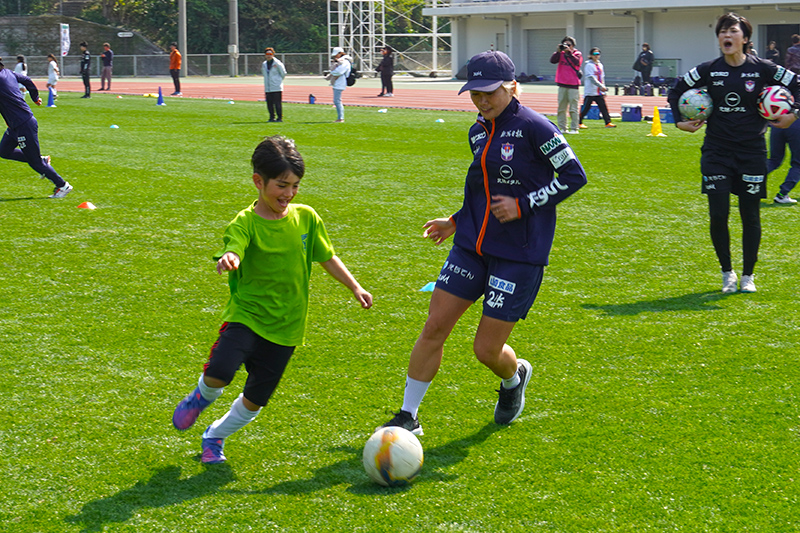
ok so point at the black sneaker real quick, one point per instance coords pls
(512, 401)
(404, 420)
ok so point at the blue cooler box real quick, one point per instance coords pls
(666, 115)
(631, 112)
(594, 113)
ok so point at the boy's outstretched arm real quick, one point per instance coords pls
(336, 268)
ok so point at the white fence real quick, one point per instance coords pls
(418, 63)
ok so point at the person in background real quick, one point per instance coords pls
(568, 78)
(386, 68)
(21, 68)
(52, 74)
(273, 71)
(792, 61)
(175, 68)
(594, 88)
(778, 140)
(86, 63)
(773, 54)
(734, 153)
(107, 57)
(340, 69)
(645, 62)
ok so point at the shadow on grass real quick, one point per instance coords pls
(350, 471)
(164, 488)
(701, 301)
(21, 199)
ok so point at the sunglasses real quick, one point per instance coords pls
(596, 54)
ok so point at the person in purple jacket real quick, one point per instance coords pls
(503, 234)
(20, 142)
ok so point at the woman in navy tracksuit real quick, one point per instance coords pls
(503, 236)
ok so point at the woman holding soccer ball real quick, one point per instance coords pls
(734, 152)
(502, 236)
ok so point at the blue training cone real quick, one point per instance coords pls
(160, 98)
(51, 102)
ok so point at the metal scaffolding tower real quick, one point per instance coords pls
(359, 27)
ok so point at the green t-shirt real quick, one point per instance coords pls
(269, 290)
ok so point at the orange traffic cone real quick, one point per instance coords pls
(87, 205)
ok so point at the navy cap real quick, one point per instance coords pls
(487, 71)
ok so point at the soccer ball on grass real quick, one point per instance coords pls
(774, 101)
(695, 104)
(392, 457)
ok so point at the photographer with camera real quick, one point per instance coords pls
(568, 78)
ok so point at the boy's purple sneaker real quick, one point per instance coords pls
(189, 409)
(212, 451)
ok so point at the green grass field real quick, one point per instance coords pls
(656, 404)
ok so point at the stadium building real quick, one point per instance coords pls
(680, 32)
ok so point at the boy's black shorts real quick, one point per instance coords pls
(729, 171)
(264, 361)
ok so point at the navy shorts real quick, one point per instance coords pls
(264, 361)
(734, 172)
(508, 287)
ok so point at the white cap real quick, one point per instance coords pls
(336, 51)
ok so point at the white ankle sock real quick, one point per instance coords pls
(511, 382)
(234, 420)
(413, 394)
(209, 393)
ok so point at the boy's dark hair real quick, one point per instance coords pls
(795, 39)
(732, 19)
(83, 43)
(275, 155)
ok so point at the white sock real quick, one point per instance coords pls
(413, 394)
(234, 420)
(209, 393)
(511, 382)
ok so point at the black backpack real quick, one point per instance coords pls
(351, 78)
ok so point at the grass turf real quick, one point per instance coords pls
(656, 404)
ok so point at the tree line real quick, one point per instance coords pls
(287, 26)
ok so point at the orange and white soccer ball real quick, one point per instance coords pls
(774, 101)
(393, 457)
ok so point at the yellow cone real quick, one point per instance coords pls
(655, 130)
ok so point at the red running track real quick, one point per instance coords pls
(412, 97)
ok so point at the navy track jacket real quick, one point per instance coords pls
(13, 107)
(518, 154)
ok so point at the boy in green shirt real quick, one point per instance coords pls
(268, 251)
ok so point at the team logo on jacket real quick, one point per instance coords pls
(749, 86)
(507, 151)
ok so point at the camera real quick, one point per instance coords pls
(562, 46)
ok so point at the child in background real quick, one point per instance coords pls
(52, 74)
(268, 252)
(21, 68)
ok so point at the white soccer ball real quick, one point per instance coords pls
(774, 101)
(695, 104)
(392, 457)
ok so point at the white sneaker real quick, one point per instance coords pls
(573, 132)
(747, 284)
(729, 280)
(388, 94)
(784, 199)
(61, 192)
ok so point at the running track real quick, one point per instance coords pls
(543, 100)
